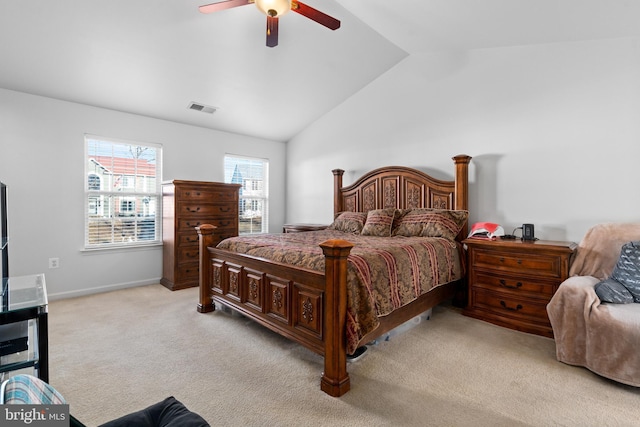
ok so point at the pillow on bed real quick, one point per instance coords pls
(400, 213)
(379, 222)
(349, 222)
(425, 222)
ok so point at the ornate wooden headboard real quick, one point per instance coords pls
(402, 188)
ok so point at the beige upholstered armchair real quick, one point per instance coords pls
(601, 336)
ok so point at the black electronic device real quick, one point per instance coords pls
(4, 247)
(14, 337)
(528, 232)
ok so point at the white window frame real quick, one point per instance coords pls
(105, 226)
(254, 191)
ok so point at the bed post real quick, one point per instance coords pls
(462, 186)
(337, 196)
(335, 378)
(205, 239)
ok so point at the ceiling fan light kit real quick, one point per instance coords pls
(274, 9)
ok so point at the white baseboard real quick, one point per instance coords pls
(101, 289)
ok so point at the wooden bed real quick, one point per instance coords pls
(309, 307)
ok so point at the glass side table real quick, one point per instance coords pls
(24, 340)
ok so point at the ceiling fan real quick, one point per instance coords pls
(275, 9)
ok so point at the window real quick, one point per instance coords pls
(127, 206)
(254, 194)
(122, 193)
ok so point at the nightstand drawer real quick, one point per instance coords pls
(520, 262)
(509, 283)
(506, 305)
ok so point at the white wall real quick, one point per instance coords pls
(554, 131)
(42, 163)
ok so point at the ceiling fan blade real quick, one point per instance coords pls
(227, 4)
(272, 31)
(315, 15)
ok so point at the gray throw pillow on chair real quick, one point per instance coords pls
(627, 270)
(610, 290)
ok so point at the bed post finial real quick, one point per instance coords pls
(462, 181)
(337, 197)
(462, 186)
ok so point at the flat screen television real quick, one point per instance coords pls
(13, 336)
(4, 242)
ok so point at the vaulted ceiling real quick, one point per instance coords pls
(156, 57)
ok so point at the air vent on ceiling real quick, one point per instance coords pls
(201, 107)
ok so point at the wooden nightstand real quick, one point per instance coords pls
(510, 282)
(296, 228)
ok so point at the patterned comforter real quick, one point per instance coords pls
(384, 273)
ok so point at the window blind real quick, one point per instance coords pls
(253, 175)
(122, 193)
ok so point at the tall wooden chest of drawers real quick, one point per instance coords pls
(510, 282)
(186, 205)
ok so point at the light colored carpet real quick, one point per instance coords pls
(118, 352)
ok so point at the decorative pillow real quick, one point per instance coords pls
(610, 290)
(379, 222)
(349, 222)
(425, 222)
(400, 213)
(627, 270)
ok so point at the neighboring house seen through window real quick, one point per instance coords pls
(122, 193)
(253, 174)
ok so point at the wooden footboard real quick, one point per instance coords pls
(305, 306)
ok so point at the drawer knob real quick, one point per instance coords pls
(197, 224)
(225, 209)
(504, 284)
(517, 307)
(193, 210)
